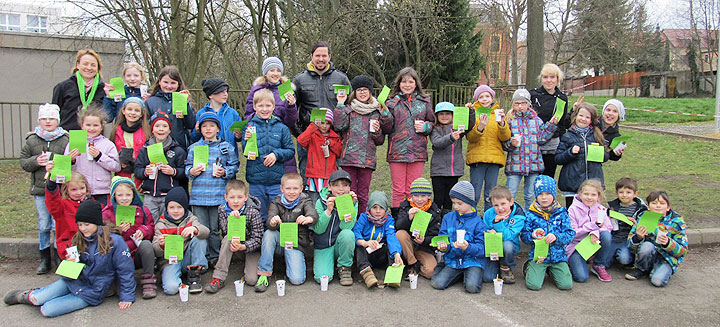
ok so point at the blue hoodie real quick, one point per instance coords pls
(510, 227)
(472, 223)
(366, 230)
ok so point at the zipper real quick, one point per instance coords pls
(332, 225)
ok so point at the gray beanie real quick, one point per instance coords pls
(464, 191)
(379, 198)
(521, 95)
(272, 62)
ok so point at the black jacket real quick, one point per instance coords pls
(610, 132)
(621, 235)
(315, 91)
(181, 127)
(403, 222)
(576, 169)
(67, 96)
(162, 183)
(544, 105)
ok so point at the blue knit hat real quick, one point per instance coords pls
(463, 191)
(134, 100)
(421, 186)
(208, 116)
(544, 183)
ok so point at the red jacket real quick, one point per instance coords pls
(138, 142)
(143, 222)
(317, 165)
(63, 211)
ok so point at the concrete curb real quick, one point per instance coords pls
(656, 131)
(27, 248)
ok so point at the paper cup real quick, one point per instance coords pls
(73, 252)
(324, 280)
(498, 286)
(498, 112)
(143, 90)
(153, 174)
(461, 235)
(438, 256)
(372, 125)
(184, 291)
(413, 281)
(280, 287)
(216, 167)
(239, 287)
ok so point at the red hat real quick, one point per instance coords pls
(160, 116)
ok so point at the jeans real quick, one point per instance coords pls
(446, 276)
(492, 268)
(620, 252)
(294, 259)
(649, 258)
(156, 205)
(513, 183)
(578, 264)
(486, 173)
(55, 299)
(208, 217)
(265, 193)
(194, 255)
(46, 223)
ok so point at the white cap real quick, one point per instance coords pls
(49, 110)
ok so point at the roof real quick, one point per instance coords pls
(680, 38)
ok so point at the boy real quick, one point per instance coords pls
(507, 217)
(466, 254)
(180, 221)
(274, 147)
(238, 203)
(628, 204)
(292, 206)
(216, 89)
(375, 230)
(324, 147)
(209, 178)
(334, 238)
(547, 220)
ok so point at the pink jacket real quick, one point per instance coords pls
(584, 221)
(143, 221)
(98, 173)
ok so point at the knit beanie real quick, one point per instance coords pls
(134, 100)
(160, 116)
(444, 106)
(117, 180)
(213, 86)
(208, 116)
(272, 62)
(379, 198)
(421, 186)
(361, 81)
(328, 115)
(89, 211)
(463, 191)
(544, 183)
(481, 89)
(619, 105)
(521, 95)
(49, 110)
(177, 194)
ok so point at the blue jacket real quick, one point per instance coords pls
(181, 127)
(558, 224)
(474, 255)
(327, 228)
(272, 137)
(228, 115)
(511, 227)
(112, 108)
(207, 190)
(366, 230)
(101, 270)
(576, 169)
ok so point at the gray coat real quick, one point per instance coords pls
(28, 158)
(315, 91)
(447, 158)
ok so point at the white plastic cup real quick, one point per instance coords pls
(498, 113)
(413, 281)
(324, 280)
(153, 174)
(184, 291)
(498, 286)
(216, 167)
(239, 287)
(280, 287)
(74, 254)
(143, 90)
(438, 256)
(461, 235)
(372, 125)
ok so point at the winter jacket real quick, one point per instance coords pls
(67, 96)
(405, 145)
(558, 224)
(288, 113)
(100, 271)
(113, 108)
(305, 208)
(253, 222)
(166, 227)
(162, 183)
(98, 172)
(63, 212)
(447, 158)
(620, 234)
(317, 165)
(510, 227)
(208, 190)
(359, 145)
(315, 90)
(474, 255)
(28, 158)
(144, 222)
(526, 158)
(403, 222)
(576, 169)
(609, 133)
(677, 247)
(327, 228)
(544, 105)
(272, 137)
(138, 142)
(180, 127)
(584, 222)
(228, 115)
(486, 146)
(366, 230)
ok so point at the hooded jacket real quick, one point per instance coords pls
(98, 173)
(447, 158)
(144, 221)
(406, 145)
(28, 158)
(366, 230)
(315, 90)
(486, 146)
(526, 158)
(63, 212)
(228, 115)
(162, 183)
(272, 137)
(180, 127)
(288, 113)
(556, 223)
(359, 145)
(208, 190)
(67, 96)
(166, 227)
(584, 222)
(676, 249)
(472, 223)
(318, 166)
(403, 222)
(576, 168)
(327, 228)
(510, 227)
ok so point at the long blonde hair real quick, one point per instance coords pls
(597, 185)
(260, 80)
(141, 69)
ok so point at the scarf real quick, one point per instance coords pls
(545, 212)
(81, 89)
(377, 221)
(176, 221)
(425, 208)
(131, 129)
(287, 204)
(49, 136)
(228, 210)
(365, 108)
(581, 131)
(165, 143)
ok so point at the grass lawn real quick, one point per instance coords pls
(689, 105)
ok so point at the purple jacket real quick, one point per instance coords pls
(98, 173)
(405, 144)
(526, 159)
(288, 113)
(583, 220)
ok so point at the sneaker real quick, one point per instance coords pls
(635, 274)
(262, 284)
(601, 273)
(215, 285)
(194, 279)
(17, 297)
(507, 275)
(345, 275)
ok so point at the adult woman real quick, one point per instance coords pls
(83, 87)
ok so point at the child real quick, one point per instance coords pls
(274, 144)
(412, 123)
(165, 176)
(485, 154)
(524, 159)
(446, 165)
(130, 132)
(547, 220)
(209, 181)
(100, 159)
(464, 256)
(138, 236)
(134, 77)
(613, 112)
(375, 229)
(659, 252)
(289, 207)
(238, 203)
(334, 238)
(319, 139)
(419, 256)
(572, 152)
(105, 256)
(216, 90)
(628, 204)
(40, 144)
(178, 220)
(362, 124)
(62, 203)
(589, 217)
(506, 217)
(169, 81)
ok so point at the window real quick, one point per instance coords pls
(9, 22)
(37, 24)
(707, 58)
(494, 70)
(495, 44)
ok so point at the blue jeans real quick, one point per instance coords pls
(46, 223)
(578, 264)
(446, 276)
(492, 268)
(208, 217)
(620, 252)
(649, 258)
(513, 183)
(294, 259)
(55, 299)
(484, 173)
(266, 193)
(194, 255)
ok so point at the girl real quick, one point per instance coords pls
(524, 159)
(129, 134)
(137, 236)
(169, 81)
(319, 139)
(543, 101)
(100, 159)
(62, 203)
(485, 152)
(362, 125)
(613, 112)
(412, 124)
(46, 139)
(105, 257)
(446, 165)
(166, 176)
(571, 152)
(589, 217)
(80, 90)
(134, 77)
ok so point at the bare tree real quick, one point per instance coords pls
(510, 13)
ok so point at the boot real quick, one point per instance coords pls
(149, 286)
(45, 264)
(18, 297)
(345, 274)
(194, 280)
(369, 277)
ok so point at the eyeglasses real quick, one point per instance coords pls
(362, 90)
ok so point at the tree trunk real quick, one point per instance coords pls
(536, 41)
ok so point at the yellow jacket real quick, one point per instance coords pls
(486, 146)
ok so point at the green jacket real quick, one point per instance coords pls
(28, 158)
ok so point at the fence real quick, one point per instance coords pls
(16, 119)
